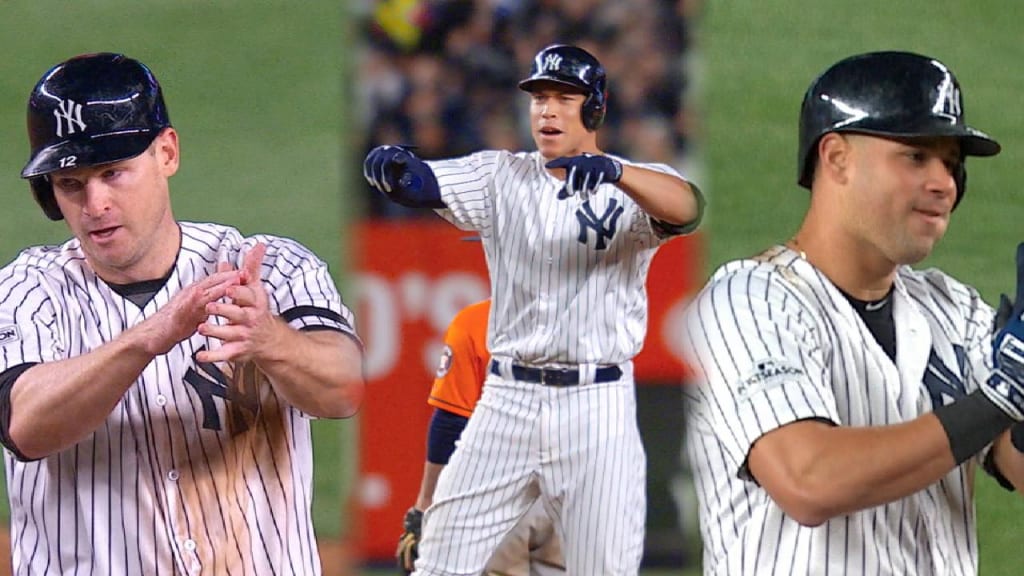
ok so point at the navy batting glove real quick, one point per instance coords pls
(1005, 387)
(401, 176)
(385, 167)
(584, 173)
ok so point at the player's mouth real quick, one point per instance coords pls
(933, 216)
(549, 131)
(103, 234)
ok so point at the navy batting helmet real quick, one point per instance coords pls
(572, 66)
(92, 109)
(897, 94)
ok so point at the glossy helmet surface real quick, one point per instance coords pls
(575, 67)
(898, 94)
(91, 109)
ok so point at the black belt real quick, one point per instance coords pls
(557, 376)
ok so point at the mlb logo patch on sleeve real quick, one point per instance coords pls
(9, 334)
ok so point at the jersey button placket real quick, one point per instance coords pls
(190, 547)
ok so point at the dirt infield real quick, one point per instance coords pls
(335, 556)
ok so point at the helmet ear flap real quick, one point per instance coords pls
(960, 177)
(43, 192)
(594, 107)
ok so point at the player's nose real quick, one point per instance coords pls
(98, 198)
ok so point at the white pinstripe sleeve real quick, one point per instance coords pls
(660, 231)
(301, 288)
(761, 356)
(466, 185)
(30, 330)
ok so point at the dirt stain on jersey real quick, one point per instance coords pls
(249, 470)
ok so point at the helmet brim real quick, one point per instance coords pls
(973, 142)
(100, 149)
(529, 85)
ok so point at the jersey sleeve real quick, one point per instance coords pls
(760, 360)
(663, 230)
(463, 366)
(31, 330)
(301, 289)
(466, 184)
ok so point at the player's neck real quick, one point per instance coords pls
(859, 271)
(155, 257)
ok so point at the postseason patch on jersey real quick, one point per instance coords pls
(9, 335)
(446, 362)
(766, 375)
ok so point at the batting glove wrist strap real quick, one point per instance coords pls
(1005, 387)
(971, 423)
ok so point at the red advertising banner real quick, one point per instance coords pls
(413, 276)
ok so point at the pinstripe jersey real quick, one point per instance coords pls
(567, 276)
(777, 342)
(178, 479)
(568, 289)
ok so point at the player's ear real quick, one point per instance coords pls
(165, 147)
(834, 157)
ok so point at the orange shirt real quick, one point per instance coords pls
(460, 375)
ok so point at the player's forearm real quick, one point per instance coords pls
(318, 372)
(830, 471)
(431, 472)
(54, 405)
(663, 196)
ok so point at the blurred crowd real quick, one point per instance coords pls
(442, 74)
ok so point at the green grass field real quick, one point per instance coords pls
(258, 92)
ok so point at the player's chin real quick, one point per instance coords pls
(917, 249)
(549, 147)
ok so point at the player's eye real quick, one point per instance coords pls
(110, 173)
(917, 156)
(67, 185)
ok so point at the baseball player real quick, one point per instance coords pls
(568, 233)
(157, 377)
(848, 399)
(532, 546)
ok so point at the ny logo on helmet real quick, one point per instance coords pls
(68, 113)
(552, 62)
(948, 104)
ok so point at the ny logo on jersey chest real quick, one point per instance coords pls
(604, 227)
(242, 404)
